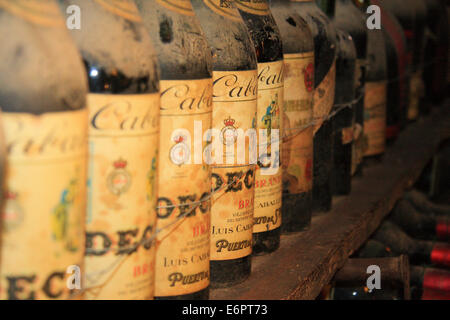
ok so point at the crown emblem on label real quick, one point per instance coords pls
(120, 164)
(229, 122)
(178, 139)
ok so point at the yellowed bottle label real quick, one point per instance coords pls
(324, 97)
(347, 135)
(40, 12)
(44, 206)
(234, 108)
(268, 188)
(123, 149)
(259, 7)
(375, 118)
(358, 146)
(123, 8)
(183, 7)
(297, 113)
(182, 262)
(417, 89)
(225, 8)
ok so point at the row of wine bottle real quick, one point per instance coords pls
(107, 141)
(419, 229)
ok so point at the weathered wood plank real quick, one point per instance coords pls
(307, 261)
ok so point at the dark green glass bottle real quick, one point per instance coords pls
(324, 83)
(235, 76)
(268, 178)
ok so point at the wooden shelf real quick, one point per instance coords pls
(307, 261)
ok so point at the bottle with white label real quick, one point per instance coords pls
(324, 83)
(43, 98)
(184, 179)
(123, 106)
(234, 118)
(268, 178)
(297, 112)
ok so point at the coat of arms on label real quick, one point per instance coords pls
(119, 180)
(180, 152)
(13, 214)
(228, 134)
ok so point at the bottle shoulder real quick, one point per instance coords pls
(178, 40)
(117, 50)
(227, 37)
(295, 33)
(265, 35)
(41, 69)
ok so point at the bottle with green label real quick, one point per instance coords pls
(297, 113)
(43, 91)
(186, 103)
(235, 92)
(268, 177)
(324, 35)
(123, 105)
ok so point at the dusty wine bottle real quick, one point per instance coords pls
(396, 57)
(417, 84)
(343, 121)
(375, 98)
(419, 251)
(123, 106)
(406, 15)
(350, 19)
(266, 39)
(419, 225)
(297, 131)
(43, 96)
(436, 51)
(374, 249)
(235, 92)
(421, 202)
(186, 103)
(324, 88)
(429, 283)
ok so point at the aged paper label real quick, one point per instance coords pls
(297, 152)
(347, 135)
(182, 261)
(375, 118)
(123, 148)
(417, 89)
(44, 205)
(268, 187)
(234, 113)
(324, 97)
